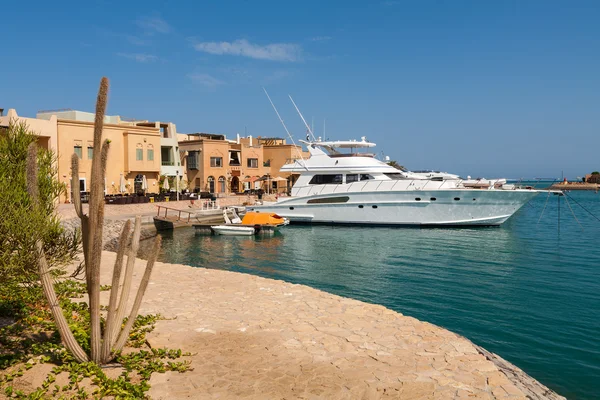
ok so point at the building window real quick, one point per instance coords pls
(77, 150)
(253, 163)
(211, 184)
(222, 184)
(90, 153)
(197, 184)
(216, 162)
(234, 158)
(351, 178)
(139, 154)
(150, 153)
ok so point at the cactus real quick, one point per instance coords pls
(104, 345)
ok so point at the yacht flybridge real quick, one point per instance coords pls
(356, 188)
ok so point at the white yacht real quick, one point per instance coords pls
(356, 188)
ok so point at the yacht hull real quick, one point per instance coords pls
(461, 207)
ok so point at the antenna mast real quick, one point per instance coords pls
(285, 127)
(303, 120)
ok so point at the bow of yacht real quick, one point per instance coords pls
(356, 188)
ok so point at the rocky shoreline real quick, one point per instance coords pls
(111, 232)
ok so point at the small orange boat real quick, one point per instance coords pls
(258, 218)
(252, 224)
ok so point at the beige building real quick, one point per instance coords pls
(45, 129)
(203, 162)
(134, 153)
(220, 166)
(277, 153)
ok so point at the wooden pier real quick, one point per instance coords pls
(168, 218)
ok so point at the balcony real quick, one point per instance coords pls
(193, 160)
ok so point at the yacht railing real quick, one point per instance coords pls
(375, 185)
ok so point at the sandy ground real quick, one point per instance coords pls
(260, 338)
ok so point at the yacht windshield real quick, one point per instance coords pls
(394, 175)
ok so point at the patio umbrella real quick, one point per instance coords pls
(166, 183)
(144, 183)
(121, 184)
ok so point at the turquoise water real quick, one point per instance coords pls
(521, 290)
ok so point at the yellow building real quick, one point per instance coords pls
(216, 165)
(277, 153)
(134, 153)
(220, 166)
(44, 129)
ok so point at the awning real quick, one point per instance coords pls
(279, 179)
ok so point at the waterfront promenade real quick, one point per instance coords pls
(252, 337)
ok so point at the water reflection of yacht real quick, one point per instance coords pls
(356, 188)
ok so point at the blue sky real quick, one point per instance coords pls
(481, 88)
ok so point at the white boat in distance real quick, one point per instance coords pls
(356, 188)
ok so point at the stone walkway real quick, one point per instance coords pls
(258, 338)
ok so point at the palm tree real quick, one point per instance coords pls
(396, 165)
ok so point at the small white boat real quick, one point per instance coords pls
(234, 230)
(233, 227)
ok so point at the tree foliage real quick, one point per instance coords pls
(396, 165)
(21, 224)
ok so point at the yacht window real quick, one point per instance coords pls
(364, 177)
(351, 178)
(433, 199)
(417, 199)
(394, 176)
(327, 200)
(361, 206)
(457, 198)
(325, 179)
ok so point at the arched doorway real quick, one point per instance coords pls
(235, 184)
(211, 184)
(137, 184)
(221, 184)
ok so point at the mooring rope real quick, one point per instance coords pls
(569, 204)
(588, 211)
(544, 209)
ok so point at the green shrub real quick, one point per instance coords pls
(21, 224)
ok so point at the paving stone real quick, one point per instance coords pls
(257, 338)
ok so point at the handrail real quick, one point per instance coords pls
(174, 209)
